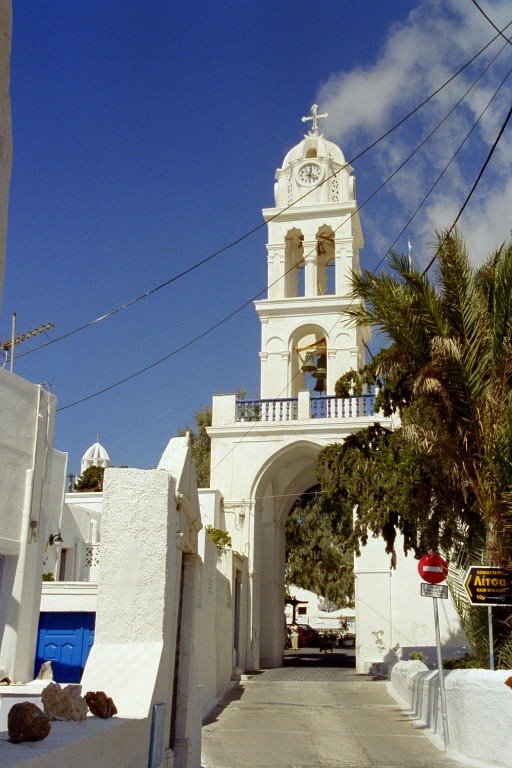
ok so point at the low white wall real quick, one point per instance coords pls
(68, 597)
(478, 703)
(93, 742)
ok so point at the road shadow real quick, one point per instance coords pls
(312, 657)
(233, 694)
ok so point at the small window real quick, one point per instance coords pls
(62, 565)
(302, 610)
(311, 152)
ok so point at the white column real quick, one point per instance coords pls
(332, 373)
(275, 272)
(303, 405)
(285, 383)
(341, 268)
(311, 268)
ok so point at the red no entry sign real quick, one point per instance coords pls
(432, 568)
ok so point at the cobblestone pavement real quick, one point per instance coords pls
(315, 712)
(309, 664)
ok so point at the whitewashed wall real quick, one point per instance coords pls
(392, 618)
(478, 704)
(81, 533)
(28, 489)
(215, 623)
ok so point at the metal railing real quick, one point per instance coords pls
(286, 409)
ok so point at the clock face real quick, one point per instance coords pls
(309, 173)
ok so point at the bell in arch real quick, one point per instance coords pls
(319, 386)
(320, 371)
(308, 365)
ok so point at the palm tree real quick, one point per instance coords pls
(448, 370)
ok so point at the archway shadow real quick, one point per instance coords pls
(312, 657)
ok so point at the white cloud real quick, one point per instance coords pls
(419, 54)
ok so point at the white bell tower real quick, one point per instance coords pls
(314, 238)
(263, 452)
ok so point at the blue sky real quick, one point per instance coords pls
(146, 135)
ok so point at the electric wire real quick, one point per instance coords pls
(475, 184)
(223, 320)
(247, 433)
(440, 176)
(256, 228)
(491, 22)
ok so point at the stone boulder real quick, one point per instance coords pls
(26, 722)
(100, 704)
(64, 703)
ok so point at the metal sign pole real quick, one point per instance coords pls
(491, 638)
(442, 690)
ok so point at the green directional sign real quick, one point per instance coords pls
(487, 585)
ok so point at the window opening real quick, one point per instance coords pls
(294, 264)
(325, 263)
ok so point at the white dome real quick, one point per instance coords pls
(331, 171)
(95, 456)
(314, 145)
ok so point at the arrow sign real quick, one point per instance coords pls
(432, 568)
(487, 585)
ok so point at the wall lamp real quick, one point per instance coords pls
(55, 538)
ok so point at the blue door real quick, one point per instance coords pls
(65, 639)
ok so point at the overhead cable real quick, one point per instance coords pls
(260, 293)
(491, 22)
(440, 176)
(256, 228)
(475, 184)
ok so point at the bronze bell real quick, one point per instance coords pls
(320, 385)
(309, 365)
(319, 373)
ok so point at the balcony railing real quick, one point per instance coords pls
(284, 409)
(287, 409)
(342, 407)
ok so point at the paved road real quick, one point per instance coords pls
(315, 715)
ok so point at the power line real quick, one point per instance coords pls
(474, 186)
(468, 134)
(491, 22)
(250, 429)
(256, 228)
(253, 298)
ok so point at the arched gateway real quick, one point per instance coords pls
(264, 451)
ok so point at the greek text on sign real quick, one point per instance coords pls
(434, 590)
(487, 585)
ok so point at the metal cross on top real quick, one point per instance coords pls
(314, 117)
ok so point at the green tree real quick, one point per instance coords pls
(448, 372)
(377, 483)
(91, 479)
(201, 445)
(318, 556)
